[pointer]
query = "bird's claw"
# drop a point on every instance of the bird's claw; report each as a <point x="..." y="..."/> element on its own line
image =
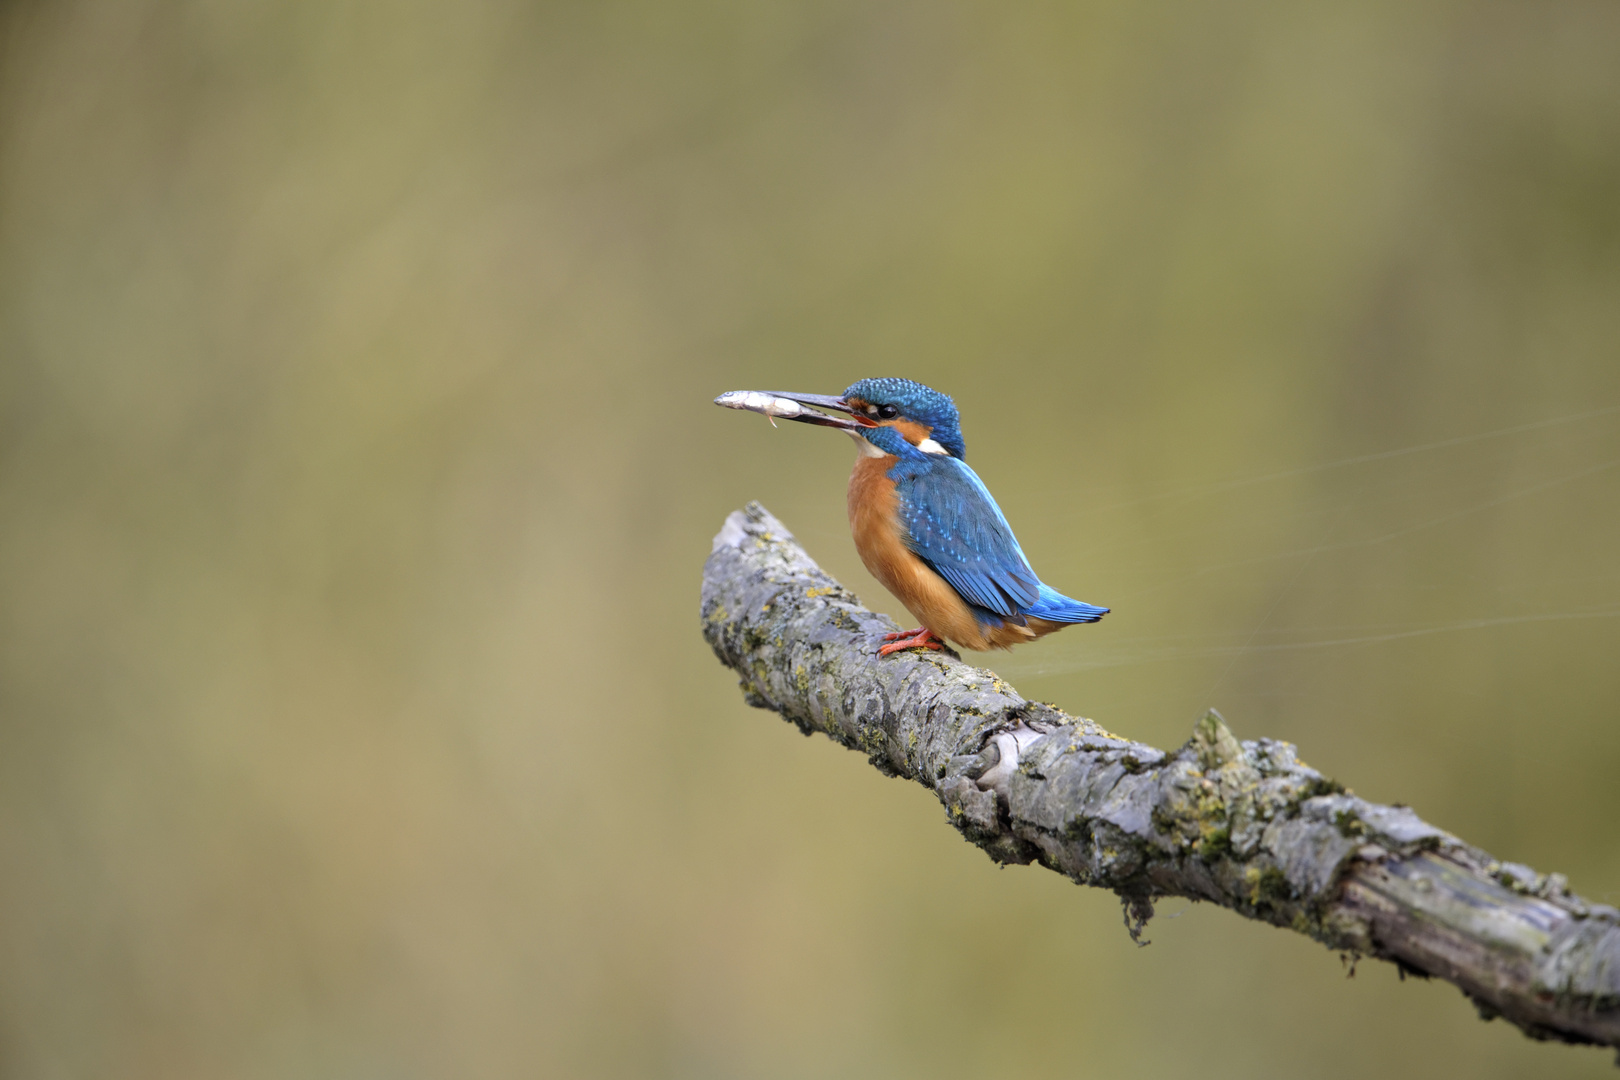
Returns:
<point x="920" y="638"/>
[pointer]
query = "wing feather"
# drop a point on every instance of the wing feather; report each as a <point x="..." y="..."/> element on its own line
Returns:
<point x="954" y="525"/>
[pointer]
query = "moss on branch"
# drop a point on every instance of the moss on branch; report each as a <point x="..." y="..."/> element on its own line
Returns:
<point x="1244" y="824"/>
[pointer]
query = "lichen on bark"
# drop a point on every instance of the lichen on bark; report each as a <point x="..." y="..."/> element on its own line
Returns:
<point x="1240" y="823"/>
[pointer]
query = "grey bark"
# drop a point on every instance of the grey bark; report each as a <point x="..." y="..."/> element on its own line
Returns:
<point x="1243" y="824"/>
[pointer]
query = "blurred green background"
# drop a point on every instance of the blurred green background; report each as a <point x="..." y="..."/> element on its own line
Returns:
<point x="357" y="467"/>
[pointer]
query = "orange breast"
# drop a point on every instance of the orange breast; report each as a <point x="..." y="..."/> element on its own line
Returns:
<point x="874" y="520"/>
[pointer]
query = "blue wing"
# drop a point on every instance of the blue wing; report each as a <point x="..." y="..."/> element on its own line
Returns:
<point x="954" y="525"/>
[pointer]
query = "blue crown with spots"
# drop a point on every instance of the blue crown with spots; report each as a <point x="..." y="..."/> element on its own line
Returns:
<point x="914" y="401"/>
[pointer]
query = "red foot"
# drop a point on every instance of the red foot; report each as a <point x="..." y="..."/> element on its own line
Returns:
<point x="920" y="638"/>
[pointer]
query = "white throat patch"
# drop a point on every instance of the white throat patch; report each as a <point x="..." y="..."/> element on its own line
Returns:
<point x="865" y="448"/>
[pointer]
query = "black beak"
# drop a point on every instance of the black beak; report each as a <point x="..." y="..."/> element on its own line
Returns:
<point x="792" y="407"/>
<point x="822" y="401"/>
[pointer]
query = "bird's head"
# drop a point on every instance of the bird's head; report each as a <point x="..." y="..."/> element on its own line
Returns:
<point x="894" y="416"/>
<point x="919" y="414"/>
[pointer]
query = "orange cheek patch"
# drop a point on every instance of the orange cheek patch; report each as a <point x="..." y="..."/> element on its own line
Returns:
<point x="913" y="431"/>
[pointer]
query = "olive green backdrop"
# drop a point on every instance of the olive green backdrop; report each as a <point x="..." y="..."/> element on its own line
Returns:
<point x="357" y="466"/>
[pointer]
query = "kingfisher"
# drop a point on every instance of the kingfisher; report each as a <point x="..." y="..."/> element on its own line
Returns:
<point x="924" y="523"/>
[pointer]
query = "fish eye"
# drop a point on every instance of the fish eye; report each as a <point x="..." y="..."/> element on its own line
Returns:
<point x="887" y="412"/>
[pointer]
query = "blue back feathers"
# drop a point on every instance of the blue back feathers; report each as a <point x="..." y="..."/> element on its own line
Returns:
<point x="954" y="525"/>
<point x="950" y="519"/>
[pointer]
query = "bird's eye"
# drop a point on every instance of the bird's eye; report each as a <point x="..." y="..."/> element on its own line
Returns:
<point x="887" y="412"/>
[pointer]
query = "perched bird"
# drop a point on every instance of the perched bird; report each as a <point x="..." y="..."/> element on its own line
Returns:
<point x="924" y="523"/>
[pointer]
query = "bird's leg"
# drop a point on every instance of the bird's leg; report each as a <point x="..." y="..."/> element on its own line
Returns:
<point x="920" y="638"/>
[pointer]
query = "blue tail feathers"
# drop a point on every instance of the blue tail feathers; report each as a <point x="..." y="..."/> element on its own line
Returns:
<point x="1053" y="606"/>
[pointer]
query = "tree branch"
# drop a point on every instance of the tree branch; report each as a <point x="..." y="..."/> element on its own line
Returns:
<point x="1241" y="824"/>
